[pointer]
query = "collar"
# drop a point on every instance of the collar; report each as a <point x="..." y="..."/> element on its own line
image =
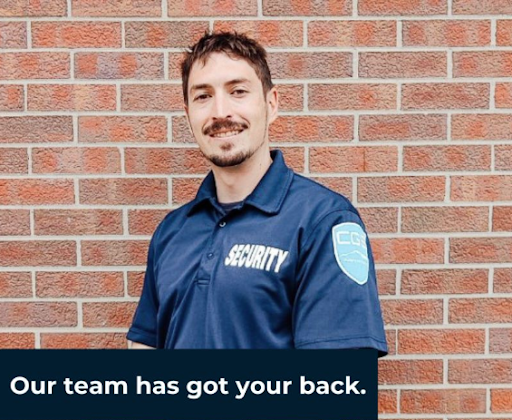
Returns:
<point x="268" y="196"/>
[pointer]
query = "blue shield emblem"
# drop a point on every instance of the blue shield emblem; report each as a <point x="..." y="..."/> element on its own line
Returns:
<point x="351" y="252"/>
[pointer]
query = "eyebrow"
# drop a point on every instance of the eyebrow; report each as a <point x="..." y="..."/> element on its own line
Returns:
<point x="230" y="83"/>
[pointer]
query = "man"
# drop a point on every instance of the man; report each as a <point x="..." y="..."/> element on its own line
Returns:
<point x="262" y="257"/>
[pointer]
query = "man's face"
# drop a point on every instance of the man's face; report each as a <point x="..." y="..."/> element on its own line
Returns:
<point x="227" y="111"/>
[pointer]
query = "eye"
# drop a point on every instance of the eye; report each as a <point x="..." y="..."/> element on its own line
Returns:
<point x="201" y="97"/>
<point x="239" y="92"/>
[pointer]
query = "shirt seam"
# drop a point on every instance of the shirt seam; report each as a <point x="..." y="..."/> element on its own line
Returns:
<point x="315" y="226"/>
<point x="325" y="340"/>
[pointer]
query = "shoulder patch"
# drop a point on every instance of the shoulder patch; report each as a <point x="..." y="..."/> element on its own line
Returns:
<point x="349" y="241"/>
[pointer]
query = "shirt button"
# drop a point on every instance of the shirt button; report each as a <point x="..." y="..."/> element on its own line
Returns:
<point x="222" y="224"/>
<point x="210" y="255"/>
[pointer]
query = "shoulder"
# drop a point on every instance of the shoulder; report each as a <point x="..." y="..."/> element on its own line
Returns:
<point x="172" y="221"/>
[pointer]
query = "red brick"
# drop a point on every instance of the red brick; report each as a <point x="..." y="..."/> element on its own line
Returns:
<point x="356" y="33"/>
<point x="175" y="60"/>
<point x="269" y="33"/>
<point x="14" y="222"/>
<point x="503" y="157"/>
<point x="13" y="161"/>
<point x="503" y="95"/>
<point x="294" y="158"/>
<point x="108" y="314"/>
<point x="119" y="65"/>
<point x="502" y="280"/>
<point x="312" y="128"/>
<point x="79" y="284"/>
<point x="122" y="252"/>
<point x="37" y="253"/>
<point x="36" y="129"/>
<point x="386" y="280"/>
<point x="501" y="400"/>
<point x="71" y="97"/>
<point x="122" y="129"/>
<point x="481" y="127"/>
<point x="401" y="189"/>
<point x="500" y="340"/>
<point x="15" y="284"/>
<point x="391" y="339"/>
<point x="76" y="34"/>
<point x="144" y="222"/>
<point x="445" y="95"/>
<point x="36" y="191"/>
<point x="358" y="96"/>
<point x="402" y="64"/>
<point x="163" y="34"/>
<point x="445" y="219"/>
<point x="76" y="160"/>
<point x="165" y="161"/>
<point x="392" y="372"/>
<point x="480" y="310"/>
<point x="481" y="371"/>
<point x="482" y="63"/>
<point x="408" y="250"/>
<point x="402" y="127"/>
<point x="353" y="159"/>
<point x="116" y="191"/>
<point x="480" y="250"/>
<point x="445" y="341"/>
<point x="115" y="8"/>
<point x="17" y="341"/>
<point x="83" y="341"/>
<point x="475" y="7"/>
<point x="504" y="33"/>
<point x="34" y="65"/>
<point x="402" y="7"/>
<point x="380" y="219"/>
<point x="307" y="8"/>
<point x="341" y="185"/>
<point x="447" y="158"/>
<point x="444" y="281"/>
<point x="181" y="132"/>
<point x="291" y="97"/>
<point x="409" y="311"/>
<point x="314" y="65"/>
<point x="38" y="314"/>
<point x="388" y="401"/>
<point x="441" y="401"/>
<point x="481" y="188"/>
<point x="13" y="34"/>
<point x="11" y="96"/>
<point x="33" y="8"/>
<point x="151" y="97"/>
<point x="502" y="219"/>
<point x="78" y="222"/>
<point x="135" y="282"/>
<point x="447" y="33"/>
<point x="184" y="8"/>
<point x="184" y="189"/>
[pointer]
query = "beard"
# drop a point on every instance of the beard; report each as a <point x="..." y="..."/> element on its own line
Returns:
<point x="228" y="159"/>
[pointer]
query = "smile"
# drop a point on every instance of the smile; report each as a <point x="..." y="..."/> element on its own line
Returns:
<point x="226" y="133"/>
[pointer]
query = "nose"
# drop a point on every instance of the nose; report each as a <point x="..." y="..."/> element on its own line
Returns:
<point x="221" y="107"/>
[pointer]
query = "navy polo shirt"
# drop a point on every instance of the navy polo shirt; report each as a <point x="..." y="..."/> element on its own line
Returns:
<point x="266" y="275"/>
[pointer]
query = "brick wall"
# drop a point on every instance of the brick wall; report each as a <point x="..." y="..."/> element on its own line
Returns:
<point x="403" y="106"/>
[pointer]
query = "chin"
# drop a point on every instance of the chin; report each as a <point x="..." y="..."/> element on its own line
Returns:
<point x="227" y="160"/>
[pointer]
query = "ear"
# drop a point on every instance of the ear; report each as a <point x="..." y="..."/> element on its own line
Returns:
<point x="273" y="104"/>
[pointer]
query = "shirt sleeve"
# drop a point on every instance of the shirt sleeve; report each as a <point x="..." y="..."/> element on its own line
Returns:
<point x="144" y="326"/>
<point x="337" y="303"/>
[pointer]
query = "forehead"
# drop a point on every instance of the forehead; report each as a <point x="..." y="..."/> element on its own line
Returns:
<point x="220" y="68"/>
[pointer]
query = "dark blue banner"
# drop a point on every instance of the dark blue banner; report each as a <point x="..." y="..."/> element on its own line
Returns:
<point x="188" y="384"/>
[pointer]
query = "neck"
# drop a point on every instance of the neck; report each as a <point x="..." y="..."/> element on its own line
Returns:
<point x="237" y="182"/>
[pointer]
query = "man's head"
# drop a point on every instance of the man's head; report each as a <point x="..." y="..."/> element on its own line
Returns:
<point x="229" y="97"/>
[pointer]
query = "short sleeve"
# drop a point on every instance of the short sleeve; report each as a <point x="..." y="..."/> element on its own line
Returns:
<point x="337" y="303"/>
<point x="144" y="326"/>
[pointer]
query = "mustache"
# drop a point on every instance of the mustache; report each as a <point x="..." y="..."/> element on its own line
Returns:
<point x="227" y="125"/>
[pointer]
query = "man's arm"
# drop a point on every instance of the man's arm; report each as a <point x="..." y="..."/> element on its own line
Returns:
<point x="138" y="346"/>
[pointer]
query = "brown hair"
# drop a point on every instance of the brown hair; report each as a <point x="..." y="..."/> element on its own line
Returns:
<point x="232" y="44"/>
